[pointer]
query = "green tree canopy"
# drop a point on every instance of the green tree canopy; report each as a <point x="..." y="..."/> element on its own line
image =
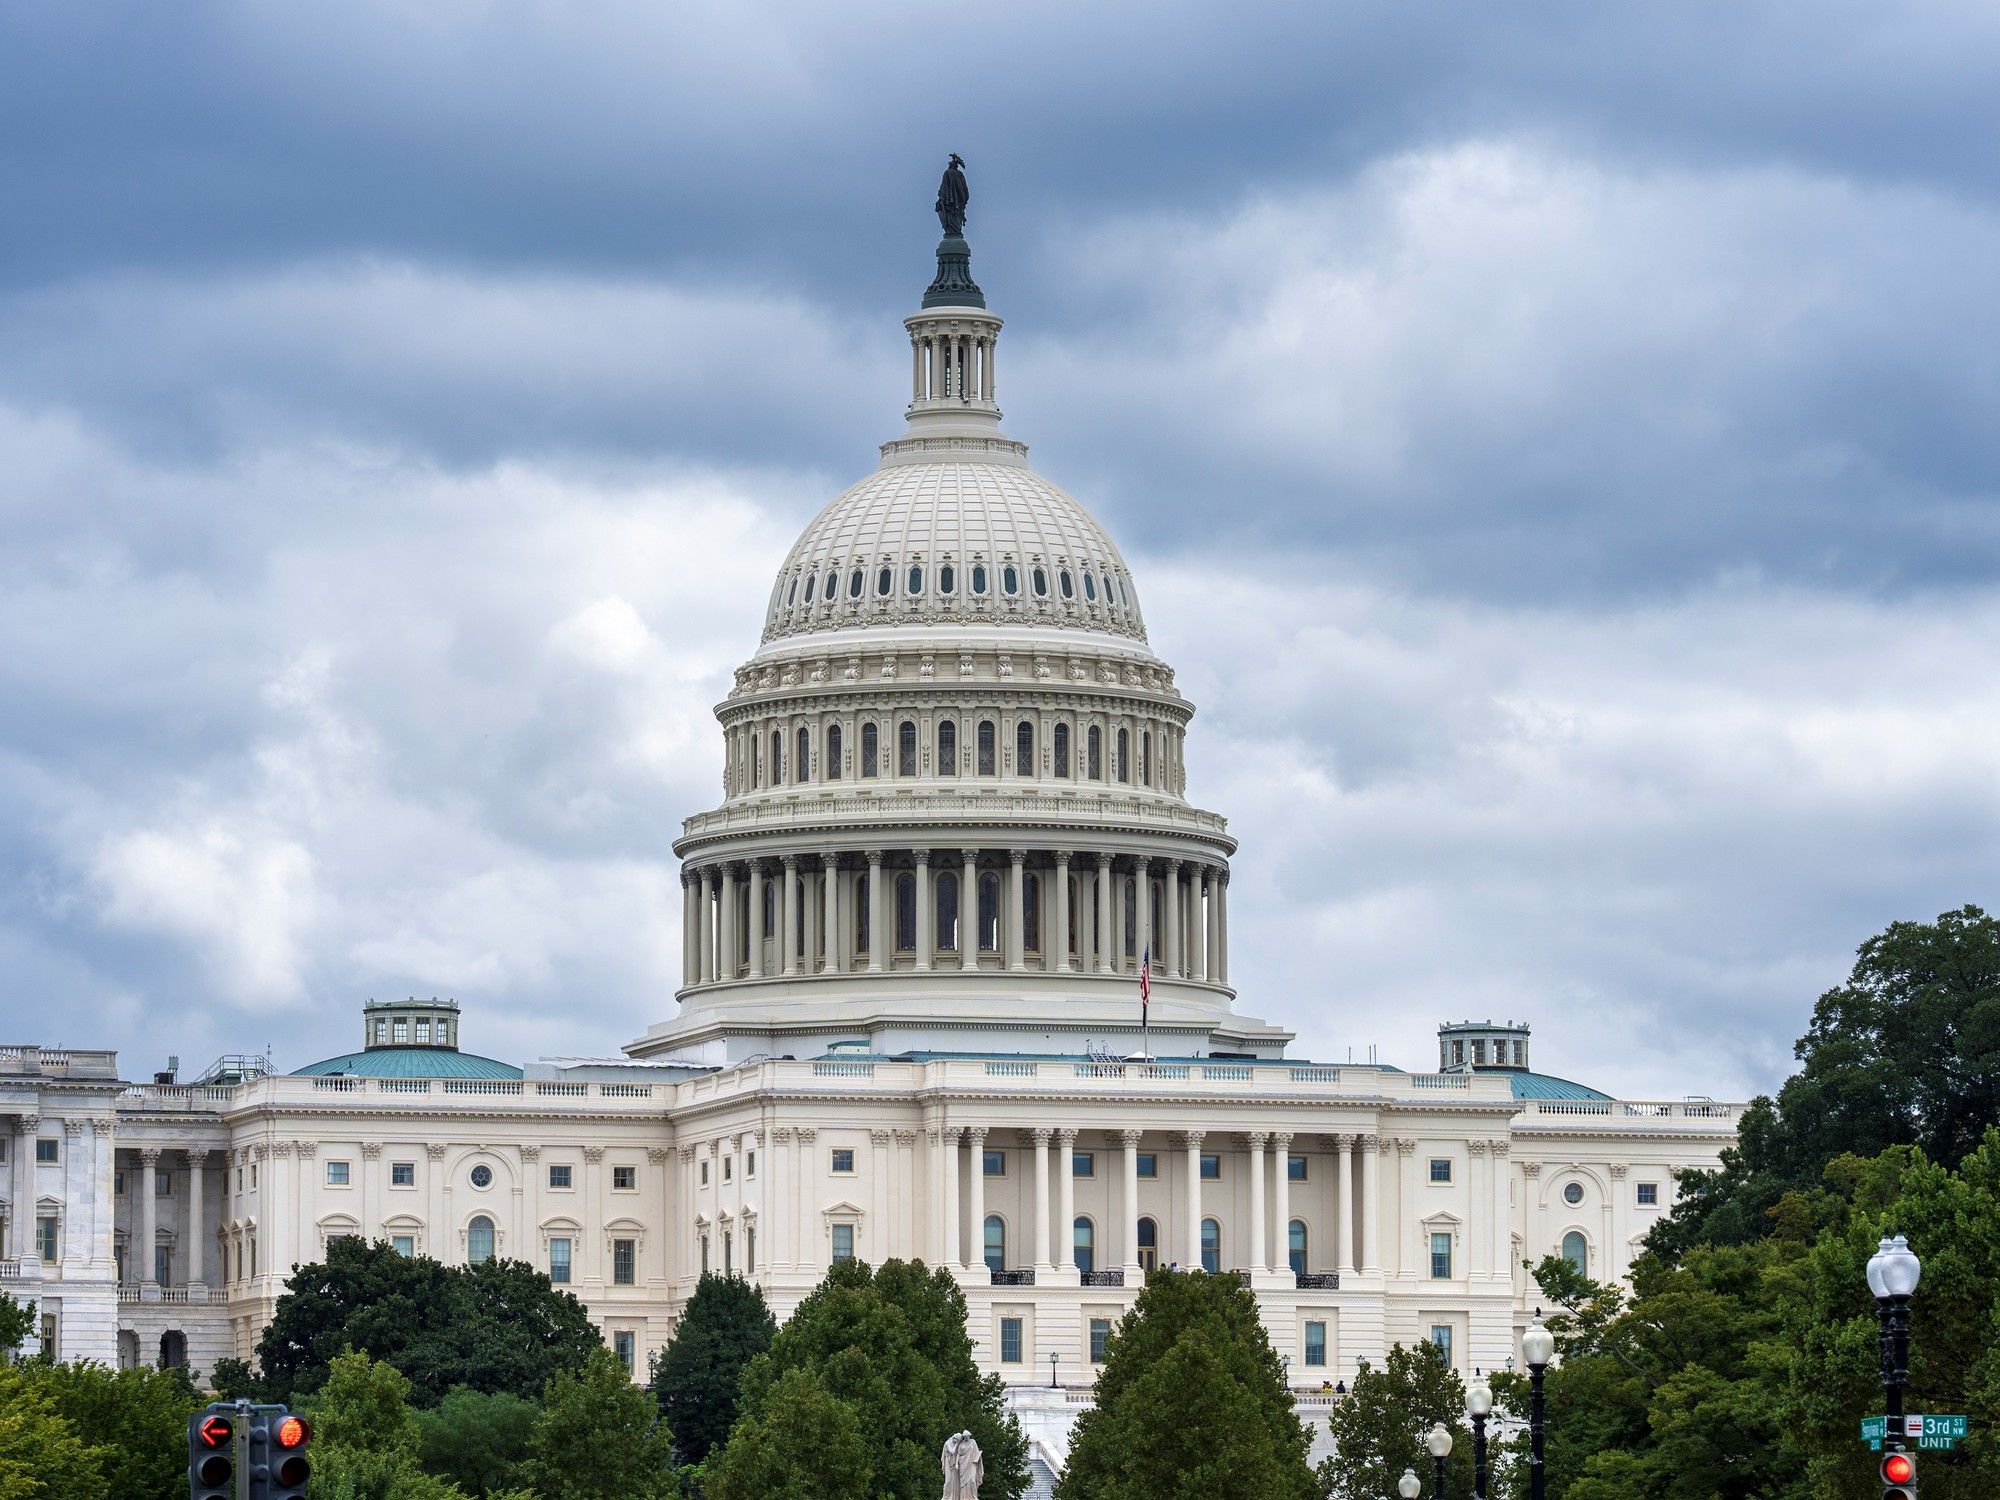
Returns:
<point x="725" y="1326"/>
<point x="139" y="1418"/>
<point x="17" y="1321"/>
<point x="600" y="1437"/>
<point x="42" y="1456"/>
<point x="1379" y="1430"/>
<point x="478" y="1439"/>
<point x="802" y="1444"/>
<point x="1192" y="1402"/>
<point x="365" y="1436"/>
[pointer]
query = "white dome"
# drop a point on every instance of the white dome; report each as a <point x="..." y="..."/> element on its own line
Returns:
<point x="926" y="543"/>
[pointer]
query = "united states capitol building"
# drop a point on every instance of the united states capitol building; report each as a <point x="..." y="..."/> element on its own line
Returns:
<point x="955" y="821"/>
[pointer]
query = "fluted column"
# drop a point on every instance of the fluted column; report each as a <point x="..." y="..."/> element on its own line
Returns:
<point x="149" y="1232"/>
<point x="1170" y="915"/>
<point x="788" y="915"/>
<point x="1130" y="1140"/>
<point x="1221" y="958"/>
<point x="975" y="1165"/>
<point x="1503" y="1218"/>
<point x="1142" y="893"/>
<point x="1344" y="1197"/>
<point x="926" y="910"/>
<point x="1197" y="924"/>
<point x="1105" y="936"/>
<point x="1042" y="1257"/>
<point x="197" y="1232"/>
<point x="1191" y="1139"/>
<point x="1213" y="956"/>
<point x="1017" y="884"/>
<point x="829" y="924"/>
<point x="1065" y="1256"/>
<point x="21" y="1226"/>
<point x="877" y="962"/>
<point x="1371" y="1198"/>
<point x="1061" y="934"/>
<point x="1281" y="1145"/>
<point x="1257" y="1260"/>
<point x="690" y="932"/>
<point x="726" y="922"/>
<point x="756" y="919"/>
<point x="968" y="909"/>
<point x="951" y="1246"/>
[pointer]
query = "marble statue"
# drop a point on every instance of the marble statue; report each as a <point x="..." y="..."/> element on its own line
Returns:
<point x="964" y="1469"/>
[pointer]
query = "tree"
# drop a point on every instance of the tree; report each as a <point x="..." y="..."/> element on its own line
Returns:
<point x="17" y="1322"/>
<point x="366" y="1436"/>
<point x="726" y="1325"/>
<point x="1379" y="1430"/>
<point x="477" y="1439"/>
<point x="499" y="1326"/>
<point x="1192" y="1402"/>
<point x="891" y="1344"/>
<point x="42" y="1457"/>
<point x="232" y="1378"/>
<point x="803" y="1444"/>
<point x="138" y="1418"/>
<point x="599" y="1437"/>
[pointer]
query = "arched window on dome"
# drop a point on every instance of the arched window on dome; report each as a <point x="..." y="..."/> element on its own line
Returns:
<point x="777" y="757"/>
<point x="989" y="913"/>
<point x="854" y="584"/>
<point x="1041" y="581"/>
<point x="1083" y="1240"/>
<point x="1131" y="890"/>
<point x="979" y="578"/>
<point x="811" y="580"/>
<point x="1124" y="756"/>
<point x="906" y="912"/>
<point x="868" y="750"/>
<point x="1094" y="743"/>
<point x="802" y="761"/>
<point x="1576" y="1250"/>
<point x="1146" y="757"/>
<point x="885" y="580"/>
<point x="1024" y="748"/>
<point x="986" y="748"/>
<point x="1031" y="912"/>
<point x="756" y="760"/>
<point x="1089" y="587"/>
<point x="832" y="585"/>
<point x="1211" y="1246"/>
<point x="1296" y="1246"/>
<point x="947" y="578"/>
<point x="1066" y="583"/>
<point x="479" y="1240"/>
<point x="792" y="594"/>
<point x="770" y="923"/>
<point x="1075" y="934"/>
<point x="862" y="925"/>
<point x="947" y="911"/>
<point x="1010" y="580"/>
<point x="947" y="748"/>
<point x="915" y="581"/>
<point x="906" y="748"/>
<point x="1059" y="748"/>
<point x="1123" y="597"/>
<point x="833" y="739"/>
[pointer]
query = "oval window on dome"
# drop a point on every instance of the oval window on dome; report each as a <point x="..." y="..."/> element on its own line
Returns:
<point x="884" y="581"/>
<point x="946" y="578"/>
<point x="854" y="585"/>
<point x="1123" y="597"/>
<point x="1066" y="583"/>
<point x="916" y="578"/>
<point x="1010" y="580"/>
<point x="811" y="579"/>
<point x="832" y="585"/>
<point x="979" y="578"/>
<point x="1041" y="583"/>
<point x="792" y="597"/>
<point x="1089" y="586"/>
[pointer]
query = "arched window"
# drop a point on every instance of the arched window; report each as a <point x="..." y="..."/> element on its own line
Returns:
<point x="832" y="585"/>
<point x="792" y="594"/>
<point x="1010" y="580"/>
<point x="756" y="760"/>
<point x="854" y="584"/>
<point x="1124" y="756"/>
<point x="1146" y="758"/>
<point x="1083" y="1237"/>
<point x="1031" y="912"/>
<point x="479" y="1241"/>
<point x="1067" y="583"/>
<point x="989" y="913"/>
<point x="947" y="911"/>
<point x="1211" y="1246"/>
<point x="1094" y="743"/>
<point x="1041" y="582"/>
<point x="915" y="581"/>
<point x="777" y="758"/>
<point x="868" y="750"/>
<point x="1024" y="749"/>
<point x="906" y="912"/>
<point x="885" y="580"/>
<point x="173" y="1350"/>
<point x="812" y="581"/>
<point x="1149" y="1244"/>
<point x="802" y="762"/>
<point x="906" y="749"/>
<point x="833" y="739"/>
<point x="1297" y="1247"/>
<point x="996" y="1243"/>
<point x="985" y="747"/>
<point x="861" y="922"/>
<point x="1576" y="1250"/>
<point x="979" y="578"/>
<point x="1089" y="586"/>
<point x="1059" y="744"/>
<point x="947" y="579"/>
<point x="770" y="908"/>
<point x="947" y="749"/>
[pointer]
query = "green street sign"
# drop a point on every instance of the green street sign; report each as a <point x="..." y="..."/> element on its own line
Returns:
<point x="1943" y="1427"/>
<point x="1926" y="1431"/>
<point x="1873" y="1428"/>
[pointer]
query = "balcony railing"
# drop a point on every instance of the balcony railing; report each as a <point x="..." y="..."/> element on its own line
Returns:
<point x="1673" y="1114"/>
<point x="1014" y="1278"/>
<point x="1316" y="1281"/>
<point x="1114" y="1277"/>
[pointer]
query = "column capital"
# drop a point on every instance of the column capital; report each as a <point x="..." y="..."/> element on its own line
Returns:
<point x="149" y="1156"/>
<point x="27" y="1124"/>
<point x="371" y="1150"/>
<point x="1531" y="1169"/>
<point x="530" y="1153"/>
<point x="1258" y="1139"/>
<point x="1618" y="1171"/>
<point x="879" y="1137"/>
<point x="1281" y="1139"/>
<point x="905" y="1137"/>
<point x="1142" y="864"/>
<point x="1501" y="1148"/>
<point x="808" y="1133"/>
<point x="1017" y="856"/>
<point x="975" y="1136"/>
<point x="874" y="858"/>
<point x="789" y="861"/>
<point x="1477" y="1148"/>
<point x="1061" y="857"/>
<point x="1066" y="1135"/>
<point x="1192" y="1139"/>
<point x="1404" y="1146"/>
<point x="1041" y="1135"/>
<point x="593" y="1154"/>
<point x="657" y="1155"/>
<point x="1222" y="874"/>
<point x="686" y="1152"/>
<point x="687" y="877"/>
<point x="1104" y="862"/>
<point x="1343" y="1141"/>
<point x="1172" y="864"/>
<point x="74" y="1128"/>
<point x="921" y="856"/>
<point x="781" y="1135"/>
<point x="1130" y="1138"/>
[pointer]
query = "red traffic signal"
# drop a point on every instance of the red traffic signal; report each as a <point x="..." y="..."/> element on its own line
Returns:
<point x="1899" y="1468"/>
<point x="292" y="1432"/>
<point x="215" y="1432"/>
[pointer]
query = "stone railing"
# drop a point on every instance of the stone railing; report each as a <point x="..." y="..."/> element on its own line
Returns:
<point x="980" y="799"/>
<point x="57" y="1062"/>
<point x="10" y="1270"/>
<point x="341" y="1089"/>
<point x="1625" y="1114"/>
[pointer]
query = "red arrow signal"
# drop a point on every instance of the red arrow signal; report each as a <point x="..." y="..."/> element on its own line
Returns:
<point x="215" y="1431"/>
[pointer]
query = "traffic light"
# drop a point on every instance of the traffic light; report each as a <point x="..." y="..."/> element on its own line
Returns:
<point x="279" y="1467"/>
<point x="212" y="1454"/>
<point x="1899" y="1477"/>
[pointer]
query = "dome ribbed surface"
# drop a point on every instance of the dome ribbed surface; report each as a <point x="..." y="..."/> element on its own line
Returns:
<point x="409" y="1062"/>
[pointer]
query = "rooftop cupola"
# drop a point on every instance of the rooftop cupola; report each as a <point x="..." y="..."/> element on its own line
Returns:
<point x="1480" y="1045"/>
<point x="409" y="1023"/>
<point x="952" y="338"/>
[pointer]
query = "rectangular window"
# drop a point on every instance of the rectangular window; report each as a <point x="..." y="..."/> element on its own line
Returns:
<point x="402" y="1174"/>
<point x="1440" y="1169"/>
<point x="1010" y="1341"/>
<point x="1295" y="1168"/>
<point x="1649" y="1195"/>
<point x="1315" y="1343"/>
<point x="117" y="1180"/>
<point x="728" y="1168"/>
<point x="45" y="1238"/>
<point x="704" y="1174"/>
<point x="163" y="1184"/>
<point x="728" y="1253"/>
<point x="253" y="1177"/>
<point x="402" y="1031"/>
<point x="625" y="1179"/>
<point x="749" y="1163"/>
<point x="704" y="1255"/>
<point x="624" y="1258"/>
<point x="45" y="1152"/>
<point x="843" y="1242"/>
<point x="1211" y="1168"/>
<point x="1440" y="1257"/>
<point x="163" y="1264"/>
<point x="1100" y="1337"/>
<point x="1083" y="1164"/>
<point x="625" y="1344"/>
<point x="336" y="1174"/>
<point x="49" y="1350"/>
<point x="1149" y="1164"/>
<point x="404" y="1244"/>
<point x="423" y="1033"/>
<point x="1441" y="1341"/>
<point x="995" y="1163"/>
<point x="559" y="1175"/>
<point x="843" y="1160"/>
<point x="559" y="1260"/>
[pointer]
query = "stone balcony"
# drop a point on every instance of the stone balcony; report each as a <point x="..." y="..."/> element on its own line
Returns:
<point x="336" y="1091"/>
<point x="30" y="1061"/>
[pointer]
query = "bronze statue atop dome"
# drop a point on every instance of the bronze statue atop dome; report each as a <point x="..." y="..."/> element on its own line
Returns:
<point x="952" y="197"/>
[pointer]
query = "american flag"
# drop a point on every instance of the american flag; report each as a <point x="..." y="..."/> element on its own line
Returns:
<point x="1146" y="978"/>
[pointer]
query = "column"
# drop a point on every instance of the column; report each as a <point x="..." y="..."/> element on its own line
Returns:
<point x="711" y="918"/>
<point x="1065" y="1256"/>
<point x="197" y="1230"/>
<point x="1017" y="860"/>
<point x="829" y="881"/>
<point x="1197" y="925"/>
<point x="926" y="910"/>
<point x="23" y="1222"/>
<point x="725" y="922"/>
<point x="807" y="1173"/>
<point x="1220" y="948"/>
<point x="1142" y="892"/>
<point x="1130" y="1140"/>
<point x="1106" y="937"/>
<point x="951" y="1247"/>
<point x="976" y="1165"/>
<point x="1214" y="955"/>
<point x="1170" y="916"/>
<point x="690" y="966"/>
<point x="1257" y="1260"/>
<point x="1061" y="934"/>
<point x="1281" y="1145"/>
<point x="968" y="909"/>
<point x="149" y="1161"/>
<point x="1344" y="1225"/>
<point x="1191" y="1139"/>
<point x="1408" y="1256"/>
<point x="1041" y="1217"/>
<point x="1503" y="1218"/>
<point x="756" y="919"/>
<point x="812" y="942"/>
<point x="876" y="942"/>
<point x="788" y="943"/>
<point x="1478" y="1203"/>
<point x="1371" y="1200"/>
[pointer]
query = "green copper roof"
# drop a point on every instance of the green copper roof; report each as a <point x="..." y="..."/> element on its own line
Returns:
<point x="1542" y="1086"/>
<point x="410" y="1062"/>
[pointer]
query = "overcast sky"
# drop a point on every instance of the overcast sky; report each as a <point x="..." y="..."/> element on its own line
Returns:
<point x="1556" y="442"/>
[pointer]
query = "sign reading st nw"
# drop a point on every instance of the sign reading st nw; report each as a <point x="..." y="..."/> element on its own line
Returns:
<point x="1930" y="1431"/>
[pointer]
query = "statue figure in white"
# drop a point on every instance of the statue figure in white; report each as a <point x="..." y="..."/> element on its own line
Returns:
<point x="964" y="1469"/>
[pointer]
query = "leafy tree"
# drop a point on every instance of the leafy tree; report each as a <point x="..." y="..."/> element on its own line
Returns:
<point x="1192" y="1402"/>
<point x="804" y="1444"/>
<point x="1379" y="1430"/>
<point x="477" y="1439"/>
<point x="726" y="1325"/>
<point x="138" y="1416"/>
<point x="500" y="1326"/>
<point x="232" y="1378"/>
<point x="17" y="1321"/>
<point x="1906" y="1053"/>
<point x="891" y="1344"/>
<point x="366" y="1436"/>
<point x="599" y="1437"/>
<point x="42" y="1457"/>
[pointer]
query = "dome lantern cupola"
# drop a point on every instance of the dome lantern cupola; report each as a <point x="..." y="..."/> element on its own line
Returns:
<point x="952" y="338"/>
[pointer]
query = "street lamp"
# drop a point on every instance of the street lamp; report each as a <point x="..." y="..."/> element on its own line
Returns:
<point x="1538" y="1347"/>
<point x="1478" y="1405"/>
<point x="1409" y="1486"/>
<point x="1052" y="1370"/>
<point x="1439" y="1442"/>
<point x="1893" y="1273"/>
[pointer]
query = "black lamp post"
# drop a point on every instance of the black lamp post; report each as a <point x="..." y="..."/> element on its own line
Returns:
<point x="1439" y="1442"/>
<point x="1893" y="1273"/>
<point x="1538" y="1347"/>
<point x="1052" y="1370"/>
<point x="1478" y="1405"/>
